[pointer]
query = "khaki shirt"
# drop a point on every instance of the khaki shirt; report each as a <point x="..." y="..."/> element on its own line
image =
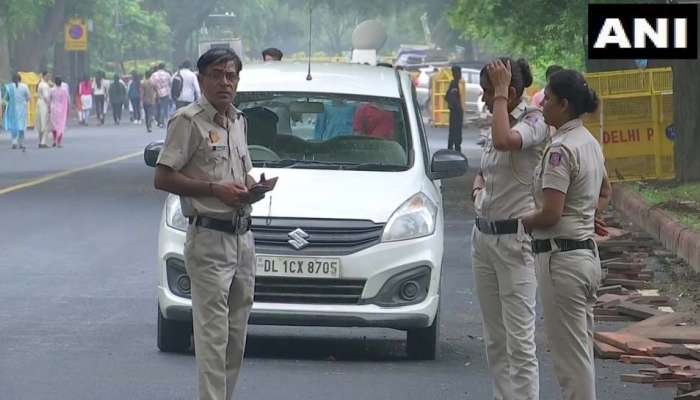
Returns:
<point x="201" y="148"/>
<point x="574" y="165"/>
<point x="508" y="175"/>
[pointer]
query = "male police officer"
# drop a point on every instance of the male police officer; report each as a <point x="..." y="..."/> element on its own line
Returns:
<point x="205" y="160"/>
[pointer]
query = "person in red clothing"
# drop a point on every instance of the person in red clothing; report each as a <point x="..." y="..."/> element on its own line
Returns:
<point x="371" y="120"/>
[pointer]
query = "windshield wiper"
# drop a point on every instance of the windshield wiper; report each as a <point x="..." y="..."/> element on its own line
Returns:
<point x="291" y="163"/>
<point x="376" y="167"/>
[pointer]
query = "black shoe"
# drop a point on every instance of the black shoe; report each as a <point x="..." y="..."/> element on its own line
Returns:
<point x="14" y="147"/>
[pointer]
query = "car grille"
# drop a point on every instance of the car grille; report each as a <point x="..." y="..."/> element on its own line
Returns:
<point x="325" y="237"/>
<point x="308" y="291"/>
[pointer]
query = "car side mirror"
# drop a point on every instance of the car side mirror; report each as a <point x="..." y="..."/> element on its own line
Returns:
<point x="448" y="164"/>
<point x="151" y="153"/>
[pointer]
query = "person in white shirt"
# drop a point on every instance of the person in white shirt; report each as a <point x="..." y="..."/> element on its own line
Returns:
<point x="189" y="92"/>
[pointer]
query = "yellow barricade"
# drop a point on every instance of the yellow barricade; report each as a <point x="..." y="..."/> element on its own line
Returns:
<point x="438" y="105"/>
<point x="634" y="122"/>
<point x="31" y="79"/>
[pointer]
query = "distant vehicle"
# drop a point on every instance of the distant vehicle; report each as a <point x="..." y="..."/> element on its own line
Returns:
<point x="473" y="102"/>
<point x="336" y="248"/>
<point x="414" y="58"/>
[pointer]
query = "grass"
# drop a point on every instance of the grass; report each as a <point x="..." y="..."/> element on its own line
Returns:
<point x="683" y="201"/>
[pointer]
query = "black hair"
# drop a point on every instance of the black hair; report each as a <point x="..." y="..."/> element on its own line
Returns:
<point x="570" y="85"/>
<point x="521" y="76"/>
<point x="148" y="74"/>
<point x="44" y="72"/>
<point x="57" y="80"/>
<point x="98" y="79"/>
<point x="16" y="78"/>
<point x="218" y="55"/>
<point x="116" y="77"/>
<point x="456" y="71"/>
<point x="551" y="70"/>
<point x="273" y="52"/>
<point x="187" y="64"/>
<point x="161" y="66"/>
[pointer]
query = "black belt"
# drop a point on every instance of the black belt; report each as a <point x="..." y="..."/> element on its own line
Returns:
<point x="239" y="225"/>
<point x="504" y="227"/>
<point x="545" y="245"/>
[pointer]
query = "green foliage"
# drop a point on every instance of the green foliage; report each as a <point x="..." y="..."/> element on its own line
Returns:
<point x="22" y="15"/>
<point x="136" y="34"/>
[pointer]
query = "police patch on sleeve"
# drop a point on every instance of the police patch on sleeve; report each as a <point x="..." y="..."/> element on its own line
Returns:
<point x="555" y="158"/>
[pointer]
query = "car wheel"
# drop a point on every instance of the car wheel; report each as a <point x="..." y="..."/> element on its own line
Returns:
<point x="173" y="336"/>
<point x="422" y="343"/>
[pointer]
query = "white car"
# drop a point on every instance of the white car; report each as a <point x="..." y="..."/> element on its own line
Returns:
<point x="352" y="235"/>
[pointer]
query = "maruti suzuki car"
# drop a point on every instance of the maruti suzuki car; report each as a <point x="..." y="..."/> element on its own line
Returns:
<point x="352" y="234"/>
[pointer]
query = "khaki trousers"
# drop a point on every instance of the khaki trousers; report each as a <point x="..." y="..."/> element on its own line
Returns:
<point x="221" y="269"/>
<point x="504" y="276"/>
<point x="568" y="282"/>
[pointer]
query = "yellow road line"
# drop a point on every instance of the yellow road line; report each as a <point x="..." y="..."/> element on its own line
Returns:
<point x="57" y="175"/>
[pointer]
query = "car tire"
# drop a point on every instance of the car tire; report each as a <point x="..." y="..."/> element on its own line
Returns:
<point x="422" y="343"/>
<point x="173" y="336"/>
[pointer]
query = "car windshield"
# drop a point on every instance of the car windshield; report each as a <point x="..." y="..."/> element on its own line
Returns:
<point x="326" y="131"/>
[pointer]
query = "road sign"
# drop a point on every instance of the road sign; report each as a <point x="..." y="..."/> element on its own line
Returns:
<point x="76" y="35"/>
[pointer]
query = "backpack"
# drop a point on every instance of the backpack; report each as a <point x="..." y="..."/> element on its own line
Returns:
<point x="176" y="88"/>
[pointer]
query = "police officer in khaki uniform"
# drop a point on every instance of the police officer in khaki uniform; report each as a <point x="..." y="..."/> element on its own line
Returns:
<point x="205" y="160"/>
<point x="502" y="260"/>
<point x="570" y="188"/>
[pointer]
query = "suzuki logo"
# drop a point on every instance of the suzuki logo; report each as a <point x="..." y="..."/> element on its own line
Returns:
<point x="298" y="239"/>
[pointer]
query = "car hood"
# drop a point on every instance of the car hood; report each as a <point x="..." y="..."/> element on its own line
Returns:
<point x="333" y="194"/>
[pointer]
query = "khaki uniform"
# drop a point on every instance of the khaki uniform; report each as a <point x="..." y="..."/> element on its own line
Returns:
<point x="42" y="108"/>
<point x="504" y="269"/>
<point x="220" y="265"/>
<point x="573" y="164"/>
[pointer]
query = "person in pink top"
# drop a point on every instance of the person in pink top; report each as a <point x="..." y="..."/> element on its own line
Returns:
<point x="538" y="98"/>
<point x="58" y="111"/>
<point x="371" y="120"/>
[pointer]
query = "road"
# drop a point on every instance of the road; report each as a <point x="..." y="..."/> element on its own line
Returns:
<point x="78" y="297"/>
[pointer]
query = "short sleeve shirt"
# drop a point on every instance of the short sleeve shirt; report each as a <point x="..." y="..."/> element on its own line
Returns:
<point x="574" y="165"/>
<point x="205" y="145"/>
<point x="508" y="174"/>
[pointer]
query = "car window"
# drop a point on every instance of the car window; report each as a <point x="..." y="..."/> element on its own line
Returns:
<point x="325" y="131"/>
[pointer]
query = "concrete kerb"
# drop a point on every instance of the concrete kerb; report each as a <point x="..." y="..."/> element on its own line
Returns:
<point x="682" y="241"/>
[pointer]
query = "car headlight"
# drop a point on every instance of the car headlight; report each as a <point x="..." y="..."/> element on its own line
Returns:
<point x="415" y="218"/>
<point x="173" y="214"/>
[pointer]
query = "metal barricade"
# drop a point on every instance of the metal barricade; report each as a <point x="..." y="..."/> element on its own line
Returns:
<point x="634" y="122"/>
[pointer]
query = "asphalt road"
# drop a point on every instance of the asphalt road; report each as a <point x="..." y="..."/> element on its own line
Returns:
<point x="78" y="297"/>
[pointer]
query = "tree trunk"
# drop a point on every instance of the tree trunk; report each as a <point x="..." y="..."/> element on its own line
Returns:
<point x="5" y="69"/>
<point x="686" y="120"/>
<point x="184" y="17"/>
<point x="31" y="46"/>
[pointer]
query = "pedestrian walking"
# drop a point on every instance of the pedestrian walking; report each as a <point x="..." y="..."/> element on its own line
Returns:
<point x="117" y="98"/>
<point x="185" y="86"/>
<point x="15" y="118"/>
<point x="456" y="106"/>
<point x="58" y="111"/>
<point x="161" y="80"/>
<point x="134" y="93"/>
<point x="99" y="92"/>
<point x="149" y="97"/>
<point x="502" y="259"/>
<point x="219" y="249"/>
<point x="85" y="96"/>
<point x="571" y="188"/>
<point x="42" y="109"/>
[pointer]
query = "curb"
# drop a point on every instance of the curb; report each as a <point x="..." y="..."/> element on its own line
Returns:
<point x="681" y="240"/>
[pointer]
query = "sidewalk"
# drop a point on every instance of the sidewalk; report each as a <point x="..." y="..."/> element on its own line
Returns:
<point x="681" y="240"/>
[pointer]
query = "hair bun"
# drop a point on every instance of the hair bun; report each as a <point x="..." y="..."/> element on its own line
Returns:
<point x="526" y="72"/>
<point x="591" y="100"/>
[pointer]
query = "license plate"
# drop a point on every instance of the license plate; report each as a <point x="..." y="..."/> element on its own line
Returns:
<point x="297" y="267"/>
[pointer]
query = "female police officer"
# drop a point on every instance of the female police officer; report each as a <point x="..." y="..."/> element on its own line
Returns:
<point x="570" y="186"/>
<point x="504" y="269"/>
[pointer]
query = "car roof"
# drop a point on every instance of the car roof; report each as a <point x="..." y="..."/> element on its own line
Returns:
<point x="328" y="78"/>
